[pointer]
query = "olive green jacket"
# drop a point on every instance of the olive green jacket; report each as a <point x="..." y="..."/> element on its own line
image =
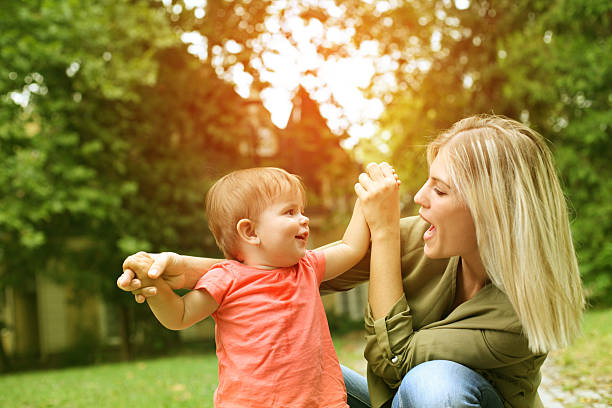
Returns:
<point x="482" y="333"/>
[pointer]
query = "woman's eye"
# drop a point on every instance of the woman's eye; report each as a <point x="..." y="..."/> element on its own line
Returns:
<point x="439" y="192"/>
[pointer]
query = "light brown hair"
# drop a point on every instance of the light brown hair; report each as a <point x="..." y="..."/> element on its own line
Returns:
<point x="245" y="194"/>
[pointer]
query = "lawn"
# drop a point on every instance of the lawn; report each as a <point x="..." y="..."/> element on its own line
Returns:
<point x="189" y="381"/>
<point x="588" y="363"/>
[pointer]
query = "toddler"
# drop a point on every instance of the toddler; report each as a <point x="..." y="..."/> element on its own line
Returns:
<point x="273" y="342"/>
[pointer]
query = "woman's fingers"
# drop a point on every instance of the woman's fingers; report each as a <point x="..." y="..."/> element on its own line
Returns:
<point x="386" y="169"/>
<point x="145" y="292"/>
<point x="374" y="171"/>
<point x="159" y="265"/>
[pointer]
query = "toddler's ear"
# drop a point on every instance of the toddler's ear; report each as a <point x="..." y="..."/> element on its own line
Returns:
<point x="246" y="231"/>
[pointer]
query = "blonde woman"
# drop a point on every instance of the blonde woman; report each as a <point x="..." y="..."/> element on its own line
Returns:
<point x="485" y="281"/>
<point x="465" y="300"/>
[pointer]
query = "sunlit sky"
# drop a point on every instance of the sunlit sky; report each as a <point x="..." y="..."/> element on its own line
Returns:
<point x="286" y="66"/>
<point x="338" y="82"/>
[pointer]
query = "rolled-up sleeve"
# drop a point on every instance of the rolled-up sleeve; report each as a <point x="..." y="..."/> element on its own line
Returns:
<point x="393" y="347"/>
<point x="387" y="342"/>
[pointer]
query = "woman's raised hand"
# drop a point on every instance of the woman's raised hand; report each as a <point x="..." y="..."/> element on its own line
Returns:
<point x="162" y="266"/>
<point x="378" y="192"/>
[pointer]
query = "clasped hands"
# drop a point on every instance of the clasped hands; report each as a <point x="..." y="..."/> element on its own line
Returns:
<point x="378" y="193"/>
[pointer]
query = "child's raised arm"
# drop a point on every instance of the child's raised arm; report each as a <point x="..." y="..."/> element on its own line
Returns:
<point x="345" y="254"/>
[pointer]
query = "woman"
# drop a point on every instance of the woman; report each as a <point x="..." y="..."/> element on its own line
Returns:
<point x="465" y="300"/>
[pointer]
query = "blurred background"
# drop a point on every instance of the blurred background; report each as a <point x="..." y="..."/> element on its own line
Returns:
<point x="116" y="116"/>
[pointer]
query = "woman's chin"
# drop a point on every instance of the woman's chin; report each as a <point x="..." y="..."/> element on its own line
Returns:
<point x="430" y="252"/>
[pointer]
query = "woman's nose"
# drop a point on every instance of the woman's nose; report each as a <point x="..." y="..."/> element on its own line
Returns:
<point x="419" y="197"/>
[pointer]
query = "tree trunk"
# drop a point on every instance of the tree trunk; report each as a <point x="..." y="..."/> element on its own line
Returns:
<point x="5" y="362"/>
<point x="124" y="332"/>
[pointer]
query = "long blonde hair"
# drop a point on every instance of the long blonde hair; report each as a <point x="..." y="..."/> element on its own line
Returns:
<point x="505" y="174"/>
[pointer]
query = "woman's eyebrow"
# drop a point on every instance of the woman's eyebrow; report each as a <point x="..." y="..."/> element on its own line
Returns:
<point x="437" y="180"/>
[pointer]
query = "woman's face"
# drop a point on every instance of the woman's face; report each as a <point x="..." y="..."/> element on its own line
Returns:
<point x="452" y="230"/>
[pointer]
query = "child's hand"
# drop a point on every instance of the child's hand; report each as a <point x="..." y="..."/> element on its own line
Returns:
<point x="378" y="192"/>
<point x="140" y="264"/>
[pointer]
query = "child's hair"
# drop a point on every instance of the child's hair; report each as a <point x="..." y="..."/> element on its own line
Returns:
<point x="245" y="194"/>
<point x="505" y="174"/>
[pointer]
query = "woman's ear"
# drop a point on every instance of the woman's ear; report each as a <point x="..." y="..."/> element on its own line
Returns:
<point x="246" y="231"/>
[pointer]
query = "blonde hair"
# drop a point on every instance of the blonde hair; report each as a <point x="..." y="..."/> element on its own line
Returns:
<point x="505" y="174"/>
<point x="245" y="194"/>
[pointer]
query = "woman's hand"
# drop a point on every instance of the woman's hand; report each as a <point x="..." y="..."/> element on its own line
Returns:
<point x="378" y="192"/>
<point x="136" y="265"/>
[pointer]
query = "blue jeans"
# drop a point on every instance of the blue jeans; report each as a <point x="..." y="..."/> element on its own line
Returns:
<point x="438" y="383"/>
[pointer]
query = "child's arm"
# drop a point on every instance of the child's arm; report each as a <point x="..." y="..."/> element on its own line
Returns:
<point x="343" y="256"/>
<point x="173" y="311"/>
<point x="179" y="271"/>
<point x="178" y="313"/>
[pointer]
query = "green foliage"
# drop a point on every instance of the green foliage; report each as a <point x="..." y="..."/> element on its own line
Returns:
<point x="545" y="63"/>
<point x="111" y="132"/>
<point x="65" y="80"/>
<point x="560" y="72"/>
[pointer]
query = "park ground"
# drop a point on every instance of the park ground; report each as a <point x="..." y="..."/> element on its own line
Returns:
<point x="580" y="376"/>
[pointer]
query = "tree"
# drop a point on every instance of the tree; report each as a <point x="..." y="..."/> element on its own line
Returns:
<point x="559" y="71"/>
<point x="113" y="124"/>
<point x="544" y="63"/>
<point x="106" y="144"/>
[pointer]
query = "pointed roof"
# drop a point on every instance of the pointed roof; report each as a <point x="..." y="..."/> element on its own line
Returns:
<point x="305" y="109"/>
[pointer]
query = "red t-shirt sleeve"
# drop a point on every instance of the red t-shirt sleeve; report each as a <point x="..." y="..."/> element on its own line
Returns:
<point x="217" y="281"/>
<point x="316" y="260"/>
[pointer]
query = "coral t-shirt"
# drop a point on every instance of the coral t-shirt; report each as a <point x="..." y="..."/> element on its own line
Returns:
<point x="273" y="342"/>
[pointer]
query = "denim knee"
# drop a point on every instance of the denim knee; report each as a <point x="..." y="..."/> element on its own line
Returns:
<point x="442" y="383"/>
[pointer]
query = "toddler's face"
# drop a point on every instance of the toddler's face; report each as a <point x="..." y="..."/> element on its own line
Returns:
<point x="283" y="231"/>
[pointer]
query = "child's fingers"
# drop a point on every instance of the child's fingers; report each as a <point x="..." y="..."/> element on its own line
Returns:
<point x="127" y="281"/>
<point x="365" y="181"/>
<point x="360" y="190"/>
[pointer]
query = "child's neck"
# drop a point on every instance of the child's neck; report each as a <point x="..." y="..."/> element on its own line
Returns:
<point x="259" y="260"/>
<point x="254" y="260"/>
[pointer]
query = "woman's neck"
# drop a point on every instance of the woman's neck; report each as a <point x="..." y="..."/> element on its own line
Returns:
<point x="471" y="277"/>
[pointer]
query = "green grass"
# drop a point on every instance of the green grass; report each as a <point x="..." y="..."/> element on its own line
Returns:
<point x="190" y="381"/>
<point x="187" y="381"/>
<point x="587" y="364"/>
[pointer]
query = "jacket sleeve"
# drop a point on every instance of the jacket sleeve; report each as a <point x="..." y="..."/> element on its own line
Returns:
<point x="411" y="230"/>
<point x="393" y="347"/>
